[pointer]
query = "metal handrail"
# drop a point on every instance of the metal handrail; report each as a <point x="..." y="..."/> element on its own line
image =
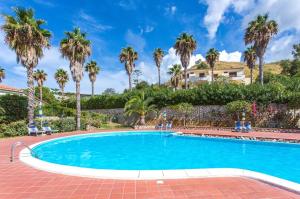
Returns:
<point x="14" y="145"/>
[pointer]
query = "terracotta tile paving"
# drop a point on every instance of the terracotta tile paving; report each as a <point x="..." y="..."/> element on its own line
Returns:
<point x="21" y="181"/>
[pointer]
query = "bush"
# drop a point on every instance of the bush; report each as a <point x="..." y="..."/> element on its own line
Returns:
<point x="236" y="108"/>
<point x="63" y="124"/>
<point x="14" y="106"/>
<point x="14" y="129"/>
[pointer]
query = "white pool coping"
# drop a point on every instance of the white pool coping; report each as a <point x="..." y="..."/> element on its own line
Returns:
<point x="26" y="157"/>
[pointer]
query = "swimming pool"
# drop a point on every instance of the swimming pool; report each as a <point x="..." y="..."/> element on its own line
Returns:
<point x="168" y="151"/>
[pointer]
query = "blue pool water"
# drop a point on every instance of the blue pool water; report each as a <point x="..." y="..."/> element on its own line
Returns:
<point x="156" y="151"/>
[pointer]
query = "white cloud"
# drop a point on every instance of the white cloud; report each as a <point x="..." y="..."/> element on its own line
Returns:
<point x="170" y="10"/>
<point x="230" y="57"/>
<point x="135" y="40"/>
<point x="128" y="4"/>
<point x="281" y="48"/>
<point x="214" y="15"/>
<point x="44" y="2"/>
<point x="89" y="23"/>
<point x="146" y="29"/>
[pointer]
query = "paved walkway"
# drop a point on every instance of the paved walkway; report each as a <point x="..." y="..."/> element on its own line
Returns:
<point x="21" y="181"/>
<point x="293" y="137"/>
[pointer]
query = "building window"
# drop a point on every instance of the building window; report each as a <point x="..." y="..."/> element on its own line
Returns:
<point x="187" y="75"/>
<point x="201" y="74"/>
<point x="233" y="74"/>
<point x="215" y="75"/>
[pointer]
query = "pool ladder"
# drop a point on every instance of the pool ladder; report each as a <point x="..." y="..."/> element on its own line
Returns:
<point x="13" y="147"/>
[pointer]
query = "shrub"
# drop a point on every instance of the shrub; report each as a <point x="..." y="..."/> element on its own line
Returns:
<point x="14" y="106"/>
<point x="14" y="129"/>
<point x="235" y="108"/>
<point x="63" y="124"/>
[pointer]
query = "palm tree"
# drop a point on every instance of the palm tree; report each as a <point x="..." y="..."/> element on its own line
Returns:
<point x="76" y="48"/>
<point x="93" y="69"/>
<point x="184" y="46"/>
<point x="2" y="74"/>
<point x="24" y="35"/>
<point x="128" y="56"/>
<point x="250" y="59"/>
<point x="40" y="76"/>
<point x="62" y="78"/>
<point x="212" y="56"/>
<point x="158" y="56"/>
<point x="259" y="32"/>
<point x="175" y="72"/>
<point x="139" y="105"/>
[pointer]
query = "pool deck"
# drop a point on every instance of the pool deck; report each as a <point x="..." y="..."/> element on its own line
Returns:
<point x="18" y="180"/>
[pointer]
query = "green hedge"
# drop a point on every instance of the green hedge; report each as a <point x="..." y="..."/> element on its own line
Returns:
<point x="14" y="106"/>
<point x="205" y="94"/>
<point x="13" y="129"/>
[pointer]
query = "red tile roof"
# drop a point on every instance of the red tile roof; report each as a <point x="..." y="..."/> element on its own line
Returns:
<point x="9" y="88"/>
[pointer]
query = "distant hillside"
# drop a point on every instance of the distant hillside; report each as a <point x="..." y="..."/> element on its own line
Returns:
<point x="221" y="65"/>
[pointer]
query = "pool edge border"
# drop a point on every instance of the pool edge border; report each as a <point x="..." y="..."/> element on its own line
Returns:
<point x="26" y="157"/>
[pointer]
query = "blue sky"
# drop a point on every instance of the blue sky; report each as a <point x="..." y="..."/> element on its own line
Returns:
<point x="146" y="25"/>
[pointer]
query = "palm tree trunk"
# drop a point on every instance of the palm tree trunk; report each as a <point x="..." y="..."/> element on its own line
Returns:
<point x="251" y="75"/>
<point x="185" y="77"/>
<point x="62" y="94"/>
<point x="30" y="95"/>
<point x="261" y="71"/>
<point x="129" y="81"/>
<point x="212" y="74"/>
<point x="92" y="89"/>
<point x="158" y="75"/>
<point x="78" y="109"/>
<point x="41" y="94"/>
<point x="142" y="120"/>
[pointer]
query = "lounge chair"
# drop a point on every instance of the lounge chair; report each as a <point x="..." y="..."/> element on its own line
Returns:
<point x="238" y="126"/>
<point x="247" y="127"/>
<point x="48" y="130"/>
<point x="169" y="125"/>
<point x="159" y="126"/>
<point x="33" y="130"/>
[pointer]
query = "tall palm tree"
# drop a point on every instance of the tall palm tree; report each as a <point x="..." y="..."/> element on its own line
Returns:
<point x="2" y="74"/>
<point x="62" y="78"/>
<point x="76" y="48"/>
<point x="158" y="56"/>
<point x="175" y="72"/>
<point x="93" y="69"/>
<point x="128" y="56"/>
<point x="40" y="76"/>
<point x="185" y="45"/>
<point x="139" y="105"/>
<point x="250" y="59"/>
<point x="259" y="32"/>
<point x="212" y="56"/>
<point x="24" y="35"/>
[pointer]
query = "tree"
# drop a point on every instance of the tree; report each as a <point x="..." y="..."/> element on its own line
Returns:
<point x="62" y="78"/>
<point x="136" y="76"/>
<point x="184" y="46"/>
<point x="175" y="72"/>
<point x="158" y="56"/>
<point x="2" y="74"/>
<point x="128" y="56"/>
<point x="76" y="48"/>
<point x="109" y="91"/>
<point x="93" y="69"/>
<point x="212" y="56"/>
<point x="139" y="105"/>
<point x="296" y="51"/>
<point x="185" y="109"/>
<point x="24" y="35"/>
<point x="286" y="66"/>
<point x="250" y="59"/>
<point x="259" y="33"/>
<point x="40" y="76"/>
